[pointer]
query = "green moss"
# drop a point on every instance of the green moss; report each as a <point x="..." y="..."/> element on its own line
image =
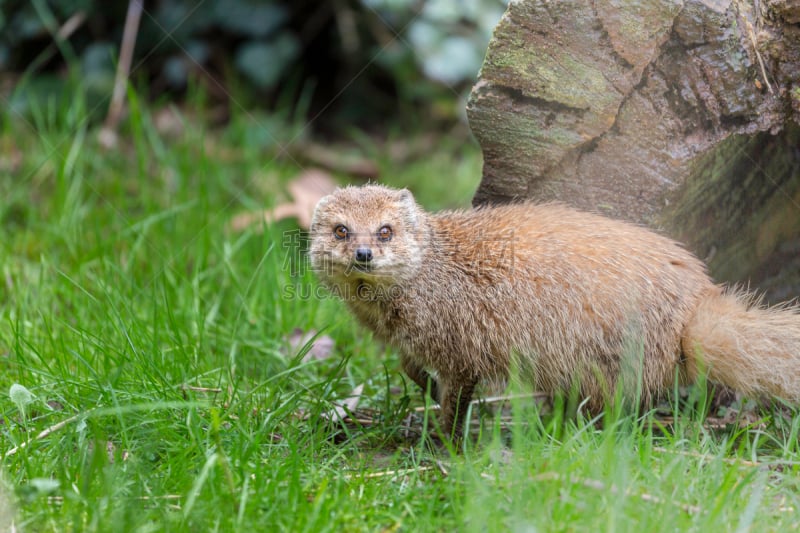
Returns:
<point x="555" y="78"/>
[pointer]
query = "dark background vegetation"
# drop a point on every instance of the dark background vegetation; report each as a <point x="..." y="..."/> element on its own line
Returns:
<point x="369" y="64"/>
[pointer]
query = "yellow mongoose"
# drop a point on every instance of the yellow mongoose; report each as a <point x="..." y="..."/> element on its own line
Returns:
<point x="575" y="301"/>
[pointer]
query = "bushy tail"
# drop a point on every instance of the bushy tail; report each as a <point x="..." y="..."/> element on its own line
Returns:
<point x="746" y="346"/>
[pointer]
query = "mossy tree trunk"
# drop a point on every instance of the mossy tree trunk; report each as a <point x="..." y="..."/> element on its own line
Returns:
<point x="682" y="115"/>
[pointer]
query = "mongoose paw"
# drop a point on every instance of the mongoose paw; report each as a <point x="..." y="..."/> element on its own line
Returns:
<point x="434" y="391"/>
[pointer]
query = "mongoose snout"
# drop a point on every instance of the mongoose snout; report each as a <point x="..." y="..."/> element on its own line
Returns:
<point x="363" y="254"/>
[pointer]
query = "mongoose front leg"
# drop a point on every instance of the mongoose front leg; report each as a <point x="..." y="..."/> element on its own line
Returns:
<point x="456" y="396"/>
<point x="420" y="376"/>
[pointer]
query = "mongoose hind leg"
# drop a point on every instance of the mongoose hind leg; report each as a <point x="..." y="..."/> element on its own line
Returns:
<point x="455" y="399"/>
<point x="421" y="377"/>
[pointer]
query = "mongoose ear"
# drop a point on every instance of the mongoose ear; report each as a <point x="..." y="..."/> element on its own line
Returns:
<point x="406" y="199"/>
<point x="405" y="196"/>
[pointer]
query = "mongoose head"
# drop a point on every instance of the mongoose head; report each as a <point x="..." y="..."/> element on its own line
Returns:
<point x="370" y="234"/>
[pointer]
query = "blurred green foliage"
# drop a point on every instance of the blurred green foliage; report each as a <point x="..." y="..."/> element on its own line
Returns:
<point x="347" y="61"/>
<point x="448" y="38"/>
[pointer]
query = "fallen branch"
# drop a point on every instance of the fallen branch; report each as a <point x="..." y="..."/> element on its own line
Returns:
<point x="45" y="433"/>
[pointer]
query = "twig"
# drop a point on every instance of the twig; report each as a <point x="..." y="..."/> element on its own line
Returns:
<point x="72" y="24"/>
<point x="752" y="36"/>
<point x="108" y="135"/>
<point x="520" y="396"/>
<point x="757" y="11"/>
<point x="63" y="33"/>
<point x="493" y="399"/>
<point x="386" y="473"/>
<point x="202" y="389"/>
<point x="46" y="432"/>
<point x="164" y="497"/>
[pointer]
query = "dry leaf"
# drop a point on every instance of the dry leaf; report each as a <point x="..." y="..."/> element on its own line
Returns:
<point x="322" y="348"/>
<point x="340" y="412"/>
<point x="306" y="190"/>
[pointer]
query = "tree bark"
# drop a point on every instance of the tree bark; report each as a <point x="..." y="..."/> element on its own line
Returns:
<point x="681" y="115"/>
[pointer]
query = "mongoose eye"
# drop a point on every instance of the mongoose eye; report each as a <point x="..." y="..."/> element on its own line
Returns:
<point x="385" y="234"/>
<point x="341" y="232"/>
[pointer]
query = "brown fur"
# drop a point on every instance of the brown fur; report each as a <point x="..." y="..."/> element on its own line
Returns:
<point x="577" y="300"/>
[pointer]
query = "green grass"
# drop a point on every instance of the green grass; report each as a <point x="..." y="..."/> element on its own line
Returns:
<point x="159" y="339"/>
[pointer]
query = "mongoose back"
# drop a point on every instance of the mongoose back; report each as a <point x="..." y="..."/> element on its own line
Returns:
<point x="574" y="301"/>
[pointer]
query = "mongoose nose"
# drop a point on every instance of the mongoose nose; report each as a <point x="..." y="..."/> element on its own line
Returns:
<point x="363" y="255"/>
